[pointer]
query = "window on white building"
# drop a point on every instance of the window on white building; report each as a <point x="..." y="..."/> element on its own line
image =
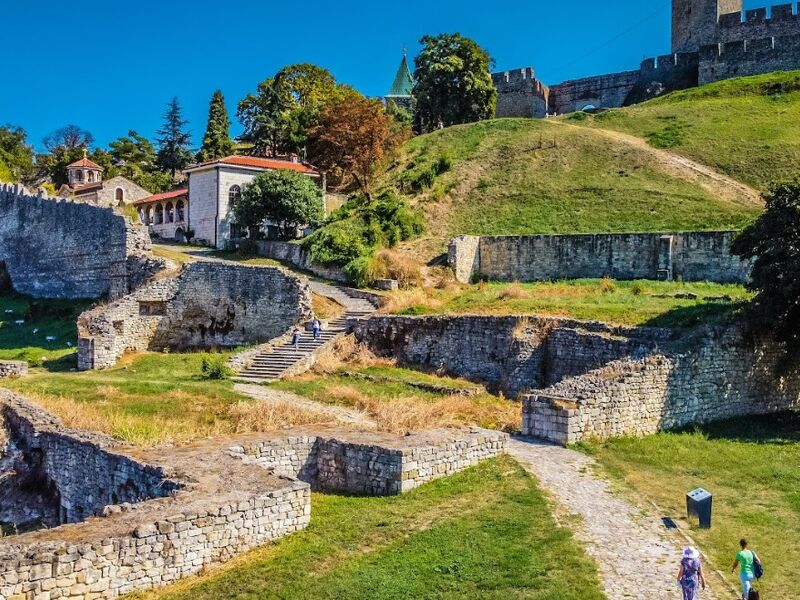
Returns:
<point x="234" y="194"/>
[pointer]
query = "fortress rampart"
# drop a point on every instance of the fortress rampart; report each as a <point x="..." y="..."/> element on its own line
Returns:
<point x="749" y="57"/>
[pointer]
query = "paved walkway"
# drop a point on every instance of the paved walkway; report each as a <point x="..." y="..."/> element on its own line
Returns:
<point x="636" y="555"/>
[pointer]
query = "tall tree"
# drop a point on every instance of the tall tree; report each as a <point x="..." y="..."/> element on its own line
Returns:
<point x="68" y="138"/>
<point x="773" y="241"/>
<point x="16" y="155"/>
<point x="354" y="136"/>
<point x="135" y="157"/>
<point x="174" y="141"/>
<point x="278" y="117"/>
<point x="217" y="141"/>
<point x="453" y="83"/>
<point x="288" y="198"/>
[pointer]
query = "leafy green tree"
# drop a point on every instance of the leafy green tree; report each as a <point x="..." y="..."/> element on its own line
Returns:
<point x="135" y="157"/>
<point x="217" y="141"/>
<point x="288" y="198"/>
<point x="452" y="83"/>
<point x="174" y="141"/>
<point x="278" y="117"/>
<point x="16" y="155"/>
<point x="773" y="241"/>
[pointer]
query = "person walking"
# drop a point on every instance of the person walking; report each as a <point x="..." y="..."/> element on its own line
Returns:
<point x="316" y="327"/>
<point x="746" y="560"/>
<point x="690" y="576"/>
<point x="296" y="339"/>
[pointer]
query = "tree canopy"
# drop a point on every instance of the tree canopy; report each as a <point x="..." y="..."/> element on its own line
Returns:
<point x="135" y="157"/>
<point x="217" y="141"/>
<point x="354" y="136"/>
<point x="174" y="140"/>
<point x="68" y="138"/>
<point x="287" y="198"/>
<point x="452" y="83"/>
<point x="773" y="241"/>
<point x="16" y="155"/>
<point x="278" y="117"/>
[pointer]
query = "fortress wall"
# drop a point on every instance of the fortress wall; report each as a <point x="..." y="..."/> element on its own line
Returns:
<point x="208" y="305"/>
<point x="755" y="23"/>
<point x="691" y="256"/>
<point x="602" y="91"/>
<point x="749" y="57"/>
<point x="520" y="94"/>
<point x="721" y="376"/>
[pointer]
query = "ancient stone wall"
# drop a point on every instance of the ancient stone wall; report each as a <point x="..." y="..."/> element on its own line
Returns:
<point x="719" y="374"/>
<point x="510" y="354"/>
<point x="779" y="20"/>
<point x="207" y="305"/>
<point x="372" y="464"/>
<point x="693" y="256"/>
<point x="13" y="368"/>
<point x="751" y="56"/>
<point x="520" y="94"/>
<point x="296" y="255"/>
<point x="602" y="91"/>
<point x="55" y="248"/>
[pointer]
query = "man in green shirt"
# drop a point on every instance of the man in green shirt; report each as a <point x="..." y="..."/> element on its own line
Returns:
<point x="745" y="559"/>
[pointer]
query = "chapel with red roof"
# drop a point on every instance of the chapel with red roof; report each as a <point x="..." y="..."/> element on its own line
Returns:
<point x="85" y="183"/>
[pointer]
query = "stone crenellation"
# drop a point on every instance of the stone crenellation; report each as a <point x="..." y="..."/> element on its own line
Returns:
<point x="687" y="256"/>
<point x="712" y="40"/>
<point x="207" y="305"/>
<point x="57" y="248"/>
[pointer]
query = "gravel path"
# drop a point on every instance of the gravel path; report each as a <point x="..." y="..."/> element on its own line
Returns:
<point x="636" y="555"/>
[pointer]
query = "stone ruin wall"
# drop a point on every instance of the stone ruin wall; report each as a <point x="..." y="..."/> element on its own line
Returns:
<point x="509" y="354"/>
<point x="13" y="368"/>
<point x="207" y="305"/>
<point x="57" y="248"/>
<point x="693" y="256"/>
<point x="721" y="375"/>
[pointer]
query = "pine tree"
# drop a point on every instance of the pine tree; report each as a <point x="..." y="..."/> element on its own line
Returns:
<point x="173" y="141"/>
<point x="216" y="141"/>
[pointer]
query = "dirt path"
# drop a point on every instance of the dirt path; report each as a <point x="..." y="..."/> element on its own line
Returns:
<point x="714" y="182"/>
<point x="345" y="416"/>
<point x="637" y="557"/>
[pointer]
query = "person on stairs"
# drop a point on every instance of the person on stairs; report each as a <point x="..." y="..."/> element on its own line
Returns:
<point x="296" y="339"/>
<point x="316" y="327"/>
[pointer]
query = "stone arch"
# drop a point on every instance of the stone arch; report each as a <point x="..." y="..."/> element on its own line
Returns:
<point x="119" y="195"/>
<point x="179" y="211"/>
<point x="169" y="213"/>
<point x="180" y="236"/>
<point x="159" y="214"/>
<point x="148" y="215"/>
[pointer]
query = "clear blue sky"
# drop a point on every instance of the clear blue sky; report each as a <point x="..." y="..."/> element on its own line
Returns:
<point x="112" y="66"/>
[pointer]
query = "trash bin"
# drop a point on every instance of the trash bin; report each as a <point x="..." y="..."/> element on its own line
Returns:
<point x="698" y="504"/>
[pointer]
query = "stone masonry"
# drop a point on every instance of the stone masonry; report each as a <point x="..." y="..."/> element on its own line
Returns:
<point x="200" y="506"/>
<point x="207" y="305"/>
<point x="687" y="256"/>
<point x="56" y="248"/>
<point x="13" y="368"/>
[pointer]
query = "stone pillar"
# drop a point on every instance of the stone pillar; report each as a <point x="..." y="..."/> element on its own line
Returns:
<point x="463" y="256"/>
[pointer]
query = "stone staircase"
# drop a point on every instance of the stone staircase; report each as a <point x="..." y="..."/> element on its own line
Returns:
<point x="284" y="359"/>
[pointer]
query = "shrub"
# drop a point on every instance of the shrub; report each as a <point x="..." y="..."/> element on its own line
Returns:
<point x="215" y="368"/>
<point x="337" y="243"/>
<point x="637" y="289"/>
<point x="607" y="285"/>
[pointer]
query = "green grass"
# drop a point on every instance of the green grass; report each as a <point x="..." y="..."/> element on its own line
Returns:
<point x="515" y="176"/>
<point x="624" y="302"/>
<point x="484" y="533"/>
<point x="752" y="466"/>
<point x="146" y="399"/>
<point x="51" y="318"/>
<point x="748" y="128"/>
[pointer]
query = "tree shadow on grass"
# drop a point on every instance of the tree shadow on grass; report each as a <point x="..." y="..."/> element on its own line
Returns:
<point x="777" y="429"/>
<point x="688" y="317"/>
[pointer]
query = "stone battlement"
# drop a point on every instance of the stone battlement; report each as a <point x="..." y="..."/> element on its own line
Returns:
<point x="748" y="57"/>
<point x="778" y="15"/>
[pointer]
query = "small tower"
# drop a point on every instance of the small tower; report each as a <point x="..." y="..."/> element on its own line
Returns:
<point x="400" y="92"/>
<point x="84" y="171"/>
<point x="694" y="22"/>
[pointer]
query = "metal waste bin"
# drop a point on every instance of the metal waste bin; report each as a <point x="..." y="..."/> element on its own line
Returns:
<point x="698" y="504"/>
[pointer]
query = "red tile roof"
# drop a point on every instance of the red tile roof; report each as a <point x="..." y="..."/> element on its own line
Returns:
<point x="254" y="162"/>
<point x="165" y="196"/>
<point x="85" y="163"/>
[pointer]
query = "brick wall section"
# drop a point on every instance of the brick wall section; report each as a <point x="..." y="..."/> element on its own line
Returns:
<point x="721" y="375"/>
<point x="374" y="465"/>
<point x="693" y="256"/>
<point x="13" y="368"/>
<point x="207" y="305"/>
<point x="509" y="354"/>
<point x="55" y="248"/>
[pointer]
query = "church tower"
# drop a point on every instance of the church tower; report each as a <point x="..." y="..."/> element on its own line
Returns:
<point x="694" y="22"/>
<point x="403" y="85"/>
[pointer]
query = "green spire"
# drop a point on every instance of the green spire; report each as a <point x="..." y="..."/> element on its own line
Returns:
<point x="403" y="81"/>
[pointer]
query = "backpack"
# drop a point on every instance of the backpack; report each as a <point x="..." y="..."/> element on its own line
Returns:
<point x="754" y="595"/>
<point x="758" y="568"/>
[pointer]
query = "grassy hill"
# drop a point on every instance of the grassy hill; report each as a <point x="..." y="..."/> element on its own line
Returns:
<point x="747" y="128"/>
<point x="515" y="176"/>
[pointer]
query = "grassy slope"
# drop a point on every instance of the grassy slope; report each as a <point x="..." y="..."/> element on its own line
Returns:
<point x="514" y="176"/>
<point x="752" y="466"/>
<point x="748" y="128"/>
<point x="484" y="533"/>
<point x="623" y="302"/>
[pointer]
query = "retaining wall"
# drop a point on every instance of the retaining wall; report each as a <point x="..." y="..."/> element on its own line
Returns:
<point x="56" y="248"/>
<point x="13" y="368"/>
<point x="297" y="256"/>
<point x="207" y="305"/>
<point x="694" y="256"/>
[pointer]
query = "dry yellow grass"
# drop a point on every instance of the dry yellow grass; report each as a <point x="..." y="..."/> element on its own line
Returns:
<point x="515" y="292"/>
<point x="405" y="269"/>
<point x="416" y="297"/>
<point x="252" y="417"/>
<point x="325" y="308"/>
<point x="346" y="351"/>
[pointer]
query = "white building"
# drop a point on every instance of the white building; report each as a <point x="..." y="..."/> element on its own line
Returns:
<point x="216" y="186"/>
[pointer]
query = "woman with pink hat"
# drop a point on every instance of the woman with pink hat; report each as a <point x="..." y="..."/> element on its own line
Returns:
<point x="690" y="577"/>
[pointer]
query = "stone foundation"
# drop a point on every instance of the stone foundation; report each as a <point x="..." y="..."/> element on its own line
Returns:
<point x="207" y="305"/>
<point x="13" y="368"/>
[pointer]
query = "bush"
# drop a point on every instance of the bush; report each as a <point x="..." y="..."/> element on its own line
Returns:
<point x="215" y="368"/>
<point x="337" y="243"/>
